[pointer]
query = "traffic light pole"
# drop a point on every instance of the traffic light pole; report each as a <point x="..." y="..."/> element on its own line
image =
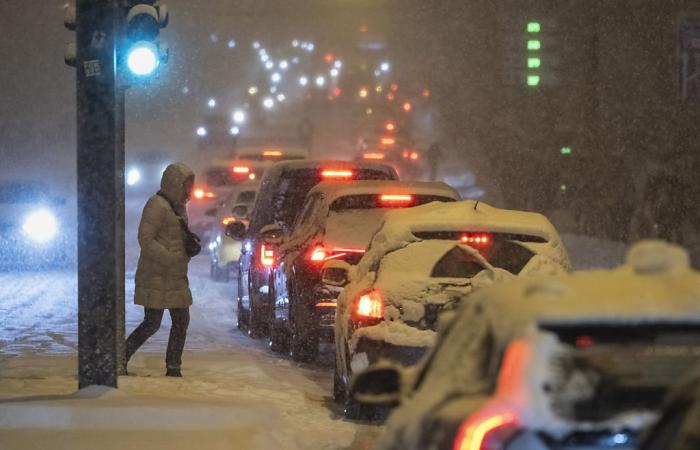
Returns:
<point x="99" y="156"/>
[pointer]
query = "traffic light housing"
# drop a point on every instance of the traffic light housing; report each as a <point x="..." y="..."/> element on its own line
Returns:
<point x="141" y="52"/>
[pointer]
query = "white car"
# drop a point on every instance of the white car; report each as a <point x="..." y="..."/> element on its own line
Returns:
<point x="580" y="361"/>
<point x="224" y="252"/>
<point x="422" y="261"/>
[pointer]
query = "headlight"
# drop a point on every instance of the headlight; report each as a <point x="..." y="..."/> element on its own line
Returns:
<point x="133" y="177"/>
<point x="40" y="226"/>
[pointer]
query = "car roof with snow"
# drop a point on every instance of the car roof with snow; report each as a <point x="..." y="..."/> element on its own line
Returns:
<point x="656" y="285"/>
<point x="332" y="190"/>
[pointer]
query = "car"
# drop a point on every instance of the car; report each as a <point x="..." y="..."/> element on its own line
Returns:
<point x="283" y="189"/>
<point x="251" y="162"/>
<point x="336" y="223"/>
<point x="677" y="428"/>
<point x="224" y="252"/>
<point x="421" y="262"/>
<point x="578" y="361"/>
<point x="34" y="226"/>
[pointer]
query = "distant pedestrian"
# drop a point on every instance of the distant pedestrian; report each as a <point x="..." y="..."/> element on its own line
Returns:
<point x="433" y="156"/>
<point x="161" y="276"/>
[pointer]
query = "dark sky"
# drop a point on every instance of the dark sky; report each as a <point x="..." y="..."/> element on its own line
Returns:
<point x="37" y="92"/>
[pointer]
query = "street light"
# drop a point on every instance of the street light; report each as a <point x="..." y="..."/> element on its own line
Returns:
<point x="268" y="103"/>
<point x="320" y="81"/>
<point x="281" y="97"/>
<point x="238" y="116"/>
<point x="334" y="72"/>
<point x="284" y="64"/>
<point x="303" y="81"/>
<point x="385" y="67"/>
<point x="201" y="131"/>
<point x="212" y="103"/>
<point x="276" y="77"/>
<point x="233" y="131"/>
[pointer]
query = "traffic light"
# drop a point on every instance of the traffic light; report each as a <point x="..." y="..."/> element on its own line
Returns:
<point x="141" y="52"/>
<point x="533" y="56"/>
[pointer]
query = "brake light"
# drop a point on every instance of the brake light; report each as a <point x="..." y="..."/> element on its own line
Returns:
<point x="479" y="239"/>
<point x="267" y="256"/>
<point x="241" y="169"/>
<point x="335" y="173"/>
<point x="320" y="254"/>
<point x="396" y="198"/>
<point x="369" y="306"/>
<point x="492" y="433"/>
<point x="272" y="152"/>
<point x="200" y="193"/>
<point x="414" y="155"/>
<point x="390" y="126"/>
<point x="373" y="155"/>
<point x="388" y="141"/>
<point x="228" y="220"/>
<point x="584" y="341"/>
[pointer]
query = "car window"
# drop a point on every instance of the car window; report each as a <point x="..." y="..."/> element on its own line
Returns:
<point x="246" y="197"/>
<point x="307" y="212"/>
<point x="457" y="263"/>
<point x="217" y="177"/>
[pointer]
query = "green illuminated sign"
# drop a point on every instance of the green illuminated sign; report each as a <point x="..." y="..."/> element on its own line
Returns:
<point x="534" y="44"/>
<point x="533" y="27"/>
<point x="534" y="63"/>
<point x="533" y="80"/>
<point x="565" y="150"/>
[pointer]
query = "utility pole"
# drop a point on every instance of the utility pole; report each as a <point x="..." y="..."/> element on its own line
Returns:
<point x="100" y="153"/>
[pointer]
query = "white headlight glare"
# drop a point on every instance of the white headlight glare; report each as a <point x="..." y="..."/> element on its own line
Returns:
<point x="40" y="226"/>
<point x="133" y="177"/>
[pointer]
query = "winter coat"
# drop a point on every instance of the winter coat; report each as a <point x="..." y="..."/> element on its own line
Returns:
<point x="161" y="274"/>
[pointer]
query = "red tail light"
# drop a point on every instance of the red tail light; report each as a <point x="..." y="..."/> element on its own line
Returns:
<point x="584" y="341"/>
<point x="241" y="170"/>
<point x="319" y="253"/>
<point x="369" y="306"/>
<point x="390" y="126"/>
<point x="477" y="239"/>
<point x="491" y="433"/>
<point x="337" y="173"/>
<point x="414" y="155"/>
<point x="396" y="199"/>
<point x="373" y="155"/>
<point x="201" y="193"/>
<point x="228" y="220"/>
<point x="387" y="141"/>
<point x="267" y="256"/>
<point x="272" y="152"/>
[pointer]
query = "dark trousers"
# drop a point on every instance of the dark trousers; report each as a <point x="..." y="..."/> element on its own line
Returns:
<point x="151" y="323"/>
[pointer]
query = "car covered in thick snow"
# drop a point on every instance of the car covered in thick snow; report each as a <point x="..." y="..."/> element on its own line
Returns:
<point x="422" y="262"/>
<point x="579" y="361"/>
<point x="679" y="425"/>
<point x="224" y="251"/>
<point x="283" y="190"/>
<point x="336" y="223"/>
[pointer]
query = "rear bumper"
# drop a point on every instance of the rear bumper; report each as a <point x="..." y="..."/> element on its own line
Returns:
<point x="369" y="351"/>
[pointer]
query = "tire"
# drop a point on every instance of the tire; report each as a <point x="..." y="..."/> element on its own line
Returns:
<point x="279" y="337"/>
<point x="304" y="334"/>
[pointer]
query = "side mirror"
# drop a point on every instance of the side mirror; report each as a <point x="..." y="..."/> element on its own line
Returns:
<point x="378" y="385"/>
<point x="240" y="211"/>
<point x="236" y="230"/>
<point x="210" y="212"/>
<point x="272" y="234"/>
<point x="336" y="273"/>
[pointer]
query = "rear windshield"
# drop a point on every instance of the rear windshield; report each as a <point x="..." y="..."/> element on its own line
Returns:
<point x="611" y="369"/>
<point x="372" y="201"/>
<point x="503" y="254"/>
<point x="217" y="177"/>
<point x="246" y="197"/>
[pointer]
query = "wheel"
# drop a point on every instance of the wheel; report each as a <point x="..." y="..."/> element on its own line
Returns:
<point x="279" y="337"/>
<point x="304" y="332"/>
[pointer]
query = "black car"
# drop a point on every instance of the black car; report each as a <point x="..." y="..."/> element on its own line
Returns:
<point x="282" y="193"/>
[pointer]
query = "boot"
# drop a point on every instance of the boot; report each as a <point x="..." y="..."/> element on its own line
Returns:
<point x="173" y="372"/>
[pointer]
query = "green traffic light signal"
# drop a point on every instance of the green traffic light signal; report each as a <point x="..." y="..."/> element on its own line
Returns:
<point x="533" y="27"/>
<point x="533" y="80"/>
<point x="565" y="151"/>
<point x="534" y="63"/>
<point x="534" y="44"/>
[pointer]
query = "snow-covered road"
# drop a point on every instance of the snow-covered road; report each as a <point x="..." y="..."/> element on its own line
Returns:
<point x="38" y="341"/>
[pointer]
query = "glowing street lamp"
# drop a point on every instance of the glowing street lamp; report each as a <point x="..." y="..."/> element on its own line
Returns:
<point x="238" y="116"/>
<point x="201" y="131"/>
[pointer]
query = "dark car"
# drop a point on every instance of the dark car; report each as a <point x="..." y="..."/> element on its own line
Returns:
<point x="282" y="193"/>
<point x="336" y="224"/>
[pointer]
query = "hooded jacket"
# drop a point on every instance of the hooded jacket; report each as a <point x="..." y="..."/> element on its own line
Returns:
<point x="161" y="274"/>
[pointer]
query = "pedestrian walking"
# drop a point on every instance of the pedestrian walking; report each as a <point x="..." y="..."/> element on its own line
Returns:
<point x="161" y="275"/>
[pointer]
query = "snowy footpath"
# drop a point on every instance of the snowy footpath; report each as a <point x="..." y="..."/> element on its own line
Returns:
<point x="235" y="394"/>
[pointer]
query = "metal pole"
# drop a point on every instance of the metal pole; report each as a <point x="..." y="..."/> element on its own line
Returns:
<point x="96" y="33"/>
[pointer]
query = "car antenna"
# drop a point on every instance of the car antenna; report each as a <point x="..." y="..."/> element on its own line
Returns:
<point x="476" y="204"/>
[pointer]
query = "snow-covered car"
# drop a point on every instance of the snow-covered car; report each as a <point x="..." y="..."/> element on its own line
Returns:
<point x="579" y="361"/>
<point x="421" y="262"/>
<point x="283" y="190"/>
<point x="224" y="251"/>
<point x="336" y="223"/>
<point x="678" y="428"/>
<point x="34" y="226"/>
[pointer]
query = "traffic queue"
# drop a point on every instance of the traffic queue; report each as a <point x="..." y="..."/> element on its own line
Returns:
<point x="463" y="318"/>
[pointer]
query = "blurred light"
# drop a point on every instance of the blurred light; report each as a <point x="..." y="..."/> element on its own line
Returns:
<point x="276" y="77"/>
<point x="534" y="63"/>
<point x="328" y="57"/>
<point x="363" y="93"/>
<point x="133" y="177"/>
<point x="295" y="60"/>
<point x="385" y="67"/>
<point x="185" y="90"/>
<point x="533" y="80"/>
<point x="253" y="90"/>
<point x="295" y="43"/>
<point x="337" y="91"/>
<point x="390" y="96"/>
<point x="281" y="97"/>
<point x="268" y="102"/>
<point x="379" y="88"/>
<point x="310" y="46"/>
<point x="407" y="106"/>
<point x="364" y="28"/>
<point x="534" y="44"/>
<point x="231" y="44"/>
<point x="284" y="64"/>
<point x="211" y="102"/>
<point x="303" y="81"/>
<point x="264" y="57"/>
<point x="238" y="116"/>
<point x="338" y="64"/>
<point x="369" y="111"/>
<point x="533" y="27"/>
<point x="563" y="187"/>
<point x="214" y="38"/>
<point x="201" y="131"/>
<point x="251" y="176"/>
<point x="143" y="59"/>
<point x="426" y="93"/>
<point x="390" y="126"/>
<point x="377" y="73"/>
<point x="334" y="72"/>
<point x="387" y="141"/>
<point x="272" y="152"/>
<point x="233" y="131"/>
<point x="273" y="89"/>
<point x="269" y="65"/>
<point x="40" y="226"/>
<point x="414" y="156"/>
<point x="320" y="81"/>
<point x="394" y="87"/>
<point x="256" y="45"/>
<point x="373" y="155"/>
<point x="565" y="150"/>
